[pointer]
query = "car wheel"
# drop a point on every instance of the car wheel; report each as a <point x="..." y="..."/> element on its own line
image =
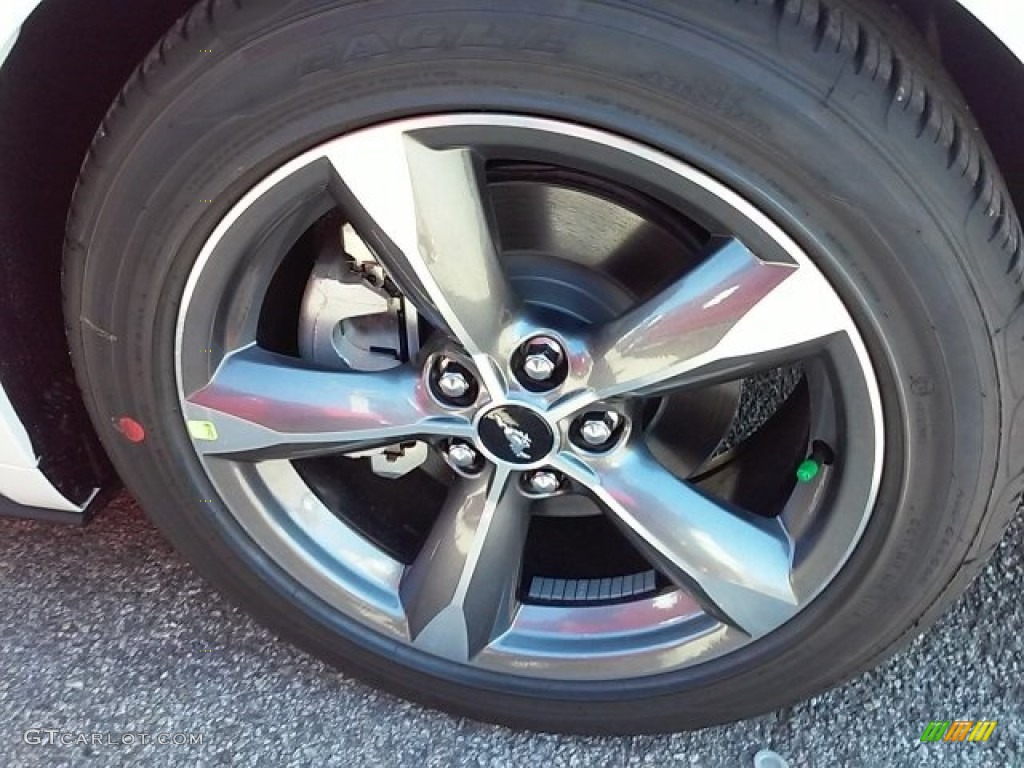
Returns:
<point x="581" y="366"/>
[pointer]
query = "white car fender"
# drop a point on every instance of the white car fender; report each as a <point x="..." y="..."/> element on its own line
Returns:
<point x="1003" y="18"/>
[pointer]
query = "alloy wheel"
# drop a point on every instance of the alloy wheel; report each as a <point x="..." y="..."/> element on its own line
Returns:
<point x="576" y="471"/>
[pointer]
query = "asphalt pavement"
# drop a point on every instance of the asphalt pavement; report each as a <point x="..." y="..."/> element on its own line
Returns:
<point x="106" y="631"/>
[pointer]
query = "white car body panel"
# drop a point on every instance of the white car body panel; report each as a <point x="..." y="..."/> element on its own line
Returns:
<point x="1003" y="18"/>
<point x="20" y="479"/>
<point x="12" y="15"/>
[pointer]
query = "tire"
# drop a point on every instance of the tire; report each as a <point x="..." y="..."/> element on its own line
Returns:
<point x="827" y="115"/>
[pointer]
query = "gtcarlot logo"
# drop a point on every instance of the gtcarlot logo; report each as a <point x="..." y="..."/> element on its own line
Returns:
<point x="56" y="736"/>
<point x="959" y="730"/>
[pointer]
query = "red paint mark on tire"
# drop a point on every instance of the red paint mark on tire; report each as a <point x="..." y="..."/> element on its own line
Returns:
<point x="131" y="429"/>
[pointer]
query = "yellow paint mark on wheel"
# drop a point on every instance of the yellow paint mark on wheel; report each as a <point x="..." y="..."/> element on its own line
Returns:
<point x="203" y="430"/>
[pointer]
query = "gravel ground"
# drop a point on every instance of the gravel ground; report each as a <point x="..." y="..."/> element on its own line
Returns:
<point x="107" y="630"/>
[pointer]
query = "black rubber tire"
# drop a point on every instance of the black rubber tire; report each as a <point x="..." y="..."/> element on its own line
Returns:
<point x="829" y="114"/>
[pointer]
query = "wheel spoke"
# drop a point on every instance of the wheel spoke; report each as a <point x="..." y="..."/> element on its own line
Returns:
<point x="733" y="314"/>
<point x="738" y="564"/>
<point x="259" y="405"/>
<point x="425" y="216"/>
<point x="460" y="592"/>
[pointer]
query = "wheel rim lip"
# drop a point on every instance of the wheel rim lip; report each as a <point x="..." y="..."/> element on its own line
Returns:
<point x="681" y="634"/>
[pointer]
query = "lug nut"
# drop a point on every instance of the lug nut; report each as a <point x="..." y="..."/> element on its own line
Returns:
<point x="543" y="482"/>
<point x="598" y="430"/>
<point x="540" y="364"/>
<point x="452" y="383"/>
<point x="538" y="367"/>
<point x="462" y="457"/>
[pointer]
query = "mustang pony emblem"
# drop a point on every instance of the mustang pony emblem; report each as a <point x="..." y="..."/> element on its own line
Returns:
<point x="518" y="441"/>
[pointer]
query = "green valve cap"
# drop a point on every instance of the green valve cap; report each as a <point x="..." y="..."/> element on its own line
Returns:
<point x="808" y="470"/>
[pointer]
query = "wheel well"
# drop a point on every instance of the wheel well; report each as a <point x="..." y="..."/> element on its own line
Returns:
<point x="990" y="76"/>
<point x="68" y="66"/>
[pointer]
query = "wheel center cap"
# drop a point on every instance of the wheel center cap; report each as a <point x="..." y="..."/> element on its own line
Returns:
<point x="515" y="434"/>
